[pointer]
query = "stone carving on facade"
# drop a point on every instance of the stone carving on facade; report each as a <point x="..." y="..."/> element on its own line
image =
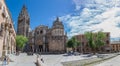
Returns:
<point x="2" y="29"/>
<point x="3" y="12"/>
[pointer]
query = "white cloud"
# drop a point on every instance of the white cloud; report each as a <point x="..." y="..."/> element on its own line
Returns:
<point x="95" y="15"/>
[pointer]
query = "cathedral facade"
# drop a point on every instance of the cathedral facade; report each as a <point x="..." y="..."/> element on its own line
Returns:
<point x="42" y="38"/>
<point x="51" y="40"/>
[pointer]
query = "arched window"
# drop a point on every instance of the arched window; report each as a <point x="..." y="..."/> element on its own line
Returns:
<point x="41" y="31"/>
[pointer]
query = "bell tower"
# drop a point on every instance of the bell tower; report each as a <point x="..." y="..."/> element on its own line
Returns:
<point x="23" y="22"/>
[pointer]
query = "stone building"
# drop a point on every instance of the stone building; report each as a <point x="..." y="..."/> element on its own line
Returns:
<point x="115" y="46"/>
<point x="7" y="31"/>
<point x="41" y="40"/>
<point x="23" y="22"/>
<point x="31" y="41"/>
<point x="84" y="47"/>
<point x="57" y="37"/>
<point x="49" y="40"/>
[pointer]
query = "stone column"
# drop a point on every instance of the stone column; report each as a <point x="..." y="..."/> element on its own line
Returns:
<point x="3" y="34"/>
<point x="9" y="43"/>
<point x="10" y="40"/>
<point x="14" y="47"/>
<point x="44" y="43"/>
<point x="11" y="49"/>
<point x="44" y="47"/>
<point x="5" y="39"/>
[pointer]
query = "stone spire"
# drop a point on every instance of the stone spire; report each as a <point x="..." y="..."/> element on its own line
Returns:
<point x="57" y="23"/>
<point x="23" y="22"/>
<point x="57" y="19"/>
<point x="24" y="13"/>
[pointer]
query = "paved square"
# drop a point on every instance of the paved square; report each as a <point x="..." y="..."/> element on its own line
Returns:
<point x="49" y="60"/>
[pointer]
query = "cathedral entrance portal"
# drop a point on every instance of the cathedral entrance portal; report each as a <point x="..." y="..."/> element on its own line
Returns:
<point x="43" y="48"/>
<point x="40" y="48"/>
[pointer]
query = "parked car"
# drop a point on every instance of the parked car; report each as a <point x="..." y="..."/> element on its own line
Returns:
<point x="76" y="53"/>
<point x="29" y="53"/>
<point x="89" y="55"/>
<point x="70" y="53"/>
<point x="100" y="56"/>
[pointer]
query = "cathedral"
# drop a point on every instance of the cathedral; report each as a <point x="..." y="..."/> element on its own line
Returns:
<point x="23" y="22"/>
<point x="42" y="39"/>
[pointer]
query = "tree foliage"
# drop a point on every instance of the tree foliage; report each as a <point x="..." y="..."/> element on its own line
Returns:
<point x="90" y="38"/>
<point x="70" y="43"/>
<point x="73" y="43"/>
<point x="95" y="40"/>
<point x="100" y="39"/>
<point x="21" y="41"/>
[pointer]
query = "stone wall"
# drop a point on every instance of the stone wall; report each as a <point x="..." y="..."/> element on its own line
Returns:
<point x="7" y="31"/>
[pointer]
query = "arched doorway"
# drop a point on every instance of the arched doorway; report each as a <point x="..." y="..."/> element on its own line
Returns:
<point x="40" y="48"/>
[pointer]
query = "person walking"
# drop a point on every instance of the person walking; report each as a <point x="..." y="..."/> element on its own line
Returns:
<point x="42" y="60"/>
<point x="5" y="61"/>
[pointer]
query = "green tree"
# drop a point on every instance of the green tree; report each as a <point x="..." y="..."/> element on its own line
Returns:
<point x="91" y="42"/>
<point x="21" y="41"/>
<point x="95" y="41"/>
<point x="100" y="40"/>
<point x="70" y="43"/>
<point x="76" y="43"/>
<point x="73" y="43"/>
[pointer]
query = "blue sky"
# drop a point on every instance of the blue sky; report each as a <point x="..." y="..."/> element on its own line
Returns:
<point x="40" y="11"/>
<point x="78" y="16"/>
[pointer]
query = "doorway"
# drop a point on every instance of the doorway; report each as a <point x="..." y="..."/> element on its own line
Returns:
<point x="40" y="48"/>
